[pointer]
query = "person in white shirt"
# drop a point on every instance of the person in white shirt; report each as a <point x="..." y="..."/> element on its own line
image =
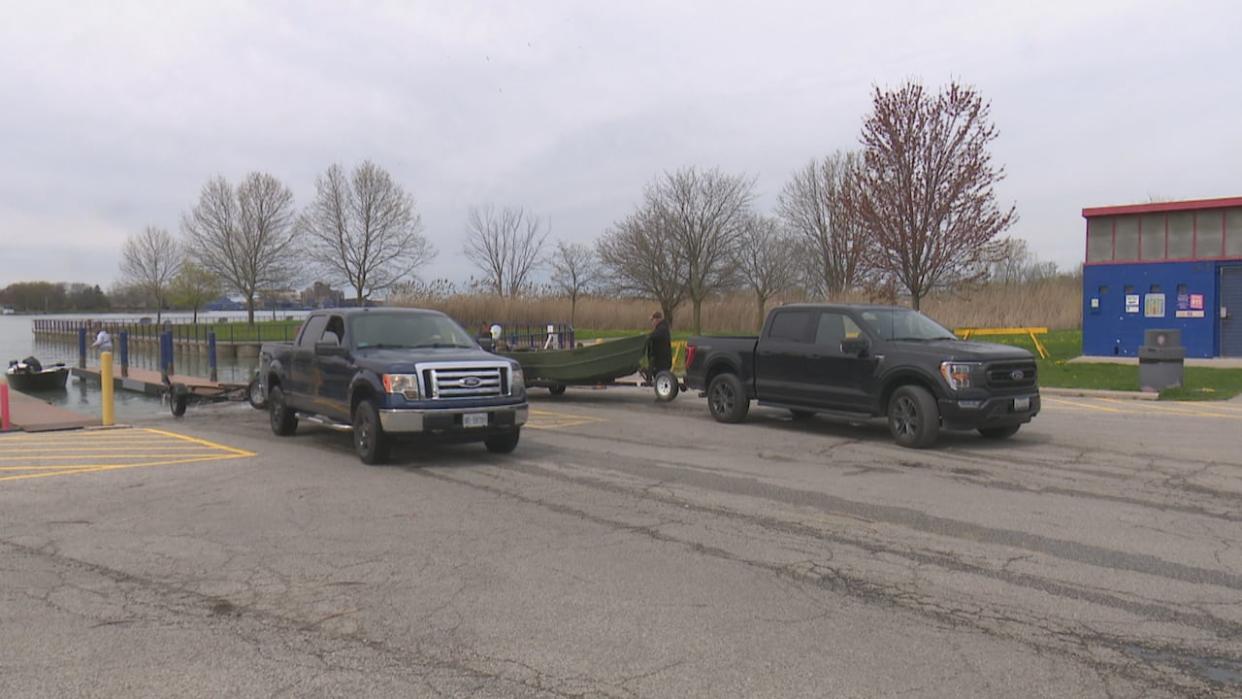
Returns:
<point x="103" y="341"/>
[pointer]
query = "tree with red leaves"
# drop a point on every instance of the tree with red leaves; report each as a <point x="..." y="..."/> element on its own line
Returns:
<point x="925" y="191"/>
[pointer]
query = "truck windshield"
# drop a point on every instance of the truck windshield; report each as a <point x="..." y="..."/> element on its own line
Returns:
<point x="407" y="331"/>
<point x="902" y="324"/>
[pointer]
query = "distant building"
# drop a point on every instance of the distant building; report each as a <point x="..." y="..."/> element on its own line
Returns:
<point x="321" y="295"/>
<point x="1168" y="265"/>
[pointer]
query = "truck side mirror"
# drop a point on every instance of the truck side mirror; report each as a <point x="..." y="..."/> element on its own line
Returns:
<point x="855" y="346"/>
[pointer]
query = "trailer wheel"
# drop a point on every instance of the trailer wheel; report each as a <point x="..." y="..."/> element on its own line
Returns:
<point x="557" y="389"/>
<point x="254" y="394"/>
<point x="177" y="404"/>
<point x="666" y="386"/>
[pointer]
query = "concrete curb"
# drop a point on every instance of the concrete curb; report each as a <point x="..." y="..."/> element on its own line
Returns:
<point x="1096" y="393"/>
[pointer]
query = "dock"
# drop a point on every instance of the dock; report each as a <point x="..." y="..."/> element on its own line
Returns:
<point x="29" y="414"/>
<point x="150" y="382"/>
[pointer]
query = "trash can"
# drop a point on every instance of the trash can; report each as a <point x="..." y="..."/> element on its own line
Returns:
<point x="1161" y="360"/>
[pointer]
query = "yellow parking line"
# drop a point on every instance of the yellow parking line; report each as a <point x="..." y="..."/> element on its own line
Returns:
<point x="96" y="468"/>
<point x="1088" y="406"/>
<point x="204" y="442"/>
<point x="1179" y="410"/>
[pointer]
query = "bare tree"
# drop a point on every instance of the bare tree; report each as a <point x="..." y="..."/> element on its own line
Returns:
<point x="505" y="246"/>
<point x="194" y="287"/>
<point x="363" y="230"/>
<point x="704" y="211"/>
<point x="766" y="261"/>
<point x="244" y="235"/>
<point x="574" y="271"/>
<point x="641" y="258"/>
<point x="925" y="191"/>
<point x="149" y="261"/>
<point x="813" y="205"/>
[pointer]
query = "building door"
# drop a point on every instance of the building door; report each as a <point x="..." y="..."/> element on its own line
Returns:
<point x="1230" y="312"/>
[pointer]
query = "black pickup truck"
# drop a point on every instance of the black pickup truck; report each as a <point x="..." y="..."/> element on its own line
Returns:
<point x="868" y="361"/>
<point x="393" y="372"/>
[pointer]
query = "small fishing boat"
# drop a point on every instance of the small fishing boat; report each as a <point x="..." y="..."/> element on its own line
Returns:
<point x="30" y="375"/>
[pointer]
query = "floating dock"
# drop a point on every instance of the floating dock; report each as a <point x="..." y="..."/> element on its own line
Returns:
<point x="29" y="414"/>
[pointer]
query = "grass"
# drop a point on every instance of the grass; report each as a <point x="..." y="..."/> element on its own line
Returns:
<point x="1200" y="383"/>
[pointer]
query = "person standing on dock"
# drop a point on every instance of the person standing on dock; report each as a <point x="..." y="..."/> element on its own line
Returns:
<point x="103" y="340"/>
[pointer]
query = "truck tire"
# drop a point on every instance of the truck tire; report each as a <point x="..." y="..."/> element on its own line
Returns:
<point x="666" y="386"/>
<point x="999" y="432"/>
<point x="556" y="389"/>
<point x="503" y="443"/>
<point x="726" y="398"/>
<point x="913" y="417"/>
<point x="369" y="439"/>
<point x="284" y="420"/>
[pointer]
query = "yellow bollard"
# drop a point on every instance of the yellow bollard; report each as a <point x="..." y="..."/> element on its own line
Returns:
<point x="105" y="382"/>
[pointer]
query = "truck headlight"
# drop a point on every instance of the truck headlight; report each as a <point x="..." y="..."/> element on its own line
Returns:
<point x="405" y="384"/>
<point x="517" y="380"/>
<point x="958" y="375"/>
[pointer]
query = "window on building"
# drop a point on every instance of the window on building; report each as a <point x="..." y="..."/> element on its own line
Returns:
<point x="1181" y="235"/>
<point x="1233" y="233"/>
<point x="1127" y="247"/>
<point x="1099" y="239"/>
<point x="1209" y="228"/>
<point x="1153" y="237"/>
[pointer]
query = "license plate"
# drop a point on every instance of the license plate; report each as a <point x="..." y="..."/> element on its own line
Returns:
<point x="1021" y="405"/>
<point x="474" y="420"/>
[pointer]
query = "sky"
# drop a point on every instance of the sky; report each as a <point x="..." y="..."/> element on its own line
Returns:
<point x="113" y="115"/>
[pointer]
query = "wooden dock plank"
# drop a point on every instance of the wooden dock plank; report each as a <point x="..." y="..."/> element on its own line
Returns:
<point x="29" y="414"/>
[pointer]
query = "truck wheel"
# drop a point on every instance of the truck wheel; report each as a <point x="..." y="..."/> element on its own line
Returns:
<point x="284" y="421"/>
<point x="726" y="398"/>
<point x="369" y="439"/>
<point x="999" y="432"/>
<point x="503" y="443"/>
<point x="556" y="389"/>
<point x="913" y="417"/>
<point x="666" y="386"/>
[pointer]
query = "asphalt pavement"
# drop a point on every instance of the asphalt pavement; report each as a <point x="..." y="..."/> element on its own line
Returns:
<point x="629" y="548"/>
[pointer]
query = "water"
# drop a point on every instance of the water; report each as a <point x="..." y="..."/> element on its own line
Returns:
<point x="17" y="342"/>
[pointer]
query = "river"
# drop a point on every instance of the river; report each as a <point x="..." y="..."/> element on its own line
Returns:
<point x="17" y="342"/>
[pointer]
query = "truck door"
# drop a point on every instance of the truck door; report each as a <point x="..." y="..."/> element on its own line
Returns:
<point x="837" y="379"/>
<point x="335" y="372"/>
<point x="781" y="357"/>
<point x="302" y="376"/>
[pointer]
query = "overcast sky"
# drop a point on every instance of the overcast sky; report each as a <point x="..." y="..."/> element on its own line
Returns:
<point x="113" y="115"/>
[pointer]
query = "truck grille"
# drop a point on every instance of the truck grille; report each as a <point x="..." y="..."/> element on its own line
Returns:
<point x="1005" y="375"/>
<point x="466" y="381"/>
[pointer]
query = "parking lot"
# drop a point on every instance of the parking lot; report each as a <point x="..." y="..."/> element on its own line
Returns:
<point x="629" y="548"/>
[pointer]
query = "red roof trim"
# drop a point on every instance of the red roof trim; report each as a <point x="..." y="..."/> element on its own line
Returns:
<point x="1163" y="206"/>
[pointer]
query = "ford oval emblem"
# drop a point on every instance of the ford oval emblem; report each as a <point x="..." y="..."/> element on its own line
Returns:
<point x="1017" y="375"/>
<point x="471" y="381"/>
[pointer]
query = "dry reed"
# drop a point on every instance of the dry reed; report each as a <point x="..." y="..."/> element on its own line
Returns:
<point x="1055" y="303"/>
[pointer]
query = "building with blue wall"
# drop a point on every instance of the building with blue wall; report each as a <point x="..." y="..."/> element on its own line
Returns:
<point x="1164" y="265"/>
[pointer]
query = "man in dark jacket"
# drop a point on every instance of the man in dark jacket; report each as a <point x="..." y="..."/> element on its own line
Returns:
<point x="660" y="344"/>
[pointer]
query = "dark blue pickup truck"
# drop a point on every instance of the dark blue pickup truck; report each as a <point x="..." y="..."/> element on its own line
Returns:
<point x="386" y="373"/>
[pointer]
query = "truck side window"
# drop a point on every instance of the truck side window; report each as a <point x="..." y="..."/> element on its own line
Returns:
<point x="312" y="331"/>
<point x="335" y="331"/>
<point x="790" y="326"/>
<point x="833" y="328"/>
